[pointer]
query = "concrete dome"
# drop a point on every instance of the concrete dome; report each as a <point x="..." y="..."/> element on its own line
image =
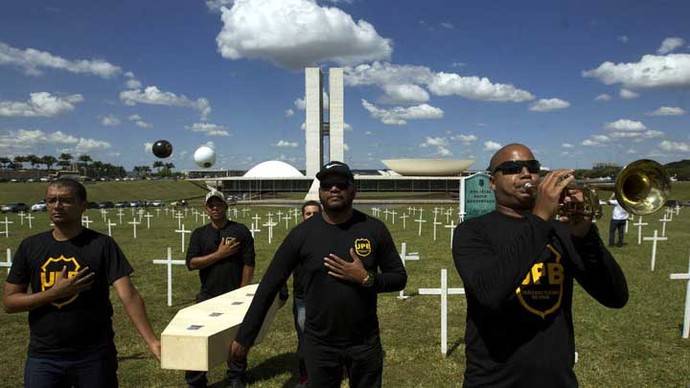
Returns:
<point x="273" y="169"/>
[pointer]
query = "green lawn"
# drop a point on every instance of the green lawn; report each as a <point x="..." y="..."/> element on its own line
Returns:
<point x="639" y="345"/>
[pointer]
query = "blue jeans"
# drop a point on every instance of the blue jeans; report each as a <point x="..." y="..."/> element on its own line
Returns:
<point x="95" y="369"/>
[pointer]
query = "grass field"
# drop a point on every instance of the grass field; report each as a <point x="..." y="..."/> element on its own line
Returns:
<point x="638" y="346"/>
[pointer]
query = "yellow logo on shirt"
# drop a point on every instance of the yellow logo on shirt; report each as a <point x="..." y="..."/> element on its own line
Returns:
<point x="362" y="247"/>
<point x="52" y="268"/>
<point x="541" y="291"/>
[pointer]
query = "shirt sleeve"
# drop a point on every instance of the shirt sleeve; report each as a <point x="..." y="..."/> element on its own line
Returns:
<point x="393" y="276"/>
<point x="117" y="265"/>
<point x="20" y="273"/>
<point x="598" y="272"/>
<point x="194" y="248"/>
<point x="284" y="262"/>
<point x="248" y="253"/>
<point x="490" y="273"/>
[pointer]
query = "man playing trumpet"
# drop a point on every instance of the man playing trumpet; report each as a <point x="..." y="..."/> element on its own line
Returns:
<point x="517" y="264"/>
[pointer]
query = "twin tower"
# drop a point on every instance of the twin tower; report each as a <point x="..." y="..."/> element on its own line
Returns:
<point x="316" y="128"/>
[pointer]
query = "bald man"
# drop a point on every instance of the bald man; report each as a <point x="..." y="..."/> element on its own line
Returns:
<point x="517" y="264"/>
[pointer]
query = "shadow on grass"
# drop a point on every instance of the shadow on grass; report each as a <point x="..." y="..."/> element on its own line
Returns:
<point x="274" y="366"/>
<point x="455" y="346"/>
<point x="135" y="356"/>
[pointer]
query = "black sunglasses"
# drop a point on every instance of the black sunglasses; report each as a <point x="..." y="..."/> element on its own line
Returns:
<point x="515" y="167"/>
<point x="341" y="185"/>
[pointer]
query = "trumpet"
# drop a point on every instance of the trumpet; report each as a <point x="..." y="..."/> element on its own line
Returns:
<point x="641" y="188"/>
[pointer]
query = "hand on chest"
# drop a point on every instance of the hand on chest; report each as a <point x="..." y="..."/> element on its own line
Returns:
<point x="363" y="245"/>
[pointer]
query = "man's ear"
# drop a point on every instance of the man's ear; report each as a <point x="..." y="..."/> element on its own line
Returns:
<point x="492" y="182"/>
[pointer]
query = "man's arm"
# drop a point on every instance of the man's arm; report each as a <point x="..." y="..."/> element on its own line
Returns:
<point x="598" y="272"/>
<point x="247" y="274"/>
<point x="393" y="276"/>
<point x="16" y="298"/>
<point x="224" y="250"/>
<point x="492" y="273"/>
<point x="135" y="309"/>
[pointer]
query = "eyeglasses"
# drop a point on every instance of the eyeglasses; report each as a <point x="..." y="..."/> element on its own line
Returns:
<point x="515" y="167"/>
<point x="341" y="185"/>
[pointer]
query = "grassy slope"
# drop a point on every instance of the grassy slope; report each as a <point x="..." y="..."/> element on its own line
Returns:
<point x="639" y="345"/>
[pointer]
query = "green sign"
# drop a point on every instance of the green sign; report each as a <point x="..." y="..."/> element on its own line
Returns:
<point x="476" y="196"/>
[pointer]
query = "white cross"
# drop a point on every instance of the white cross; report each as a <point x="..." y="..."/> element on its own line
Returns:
<point x="295" y="215"/>
<point x="86" y="220"/>
<point x="654" y="240"/>
<point x="7" y="263"/>
<point x="179" y="218"/>
<point x="29" y="217"/>
<point x="186" y="210"/>
<point x="436" y="223"/>
<point x="674" y="276"/>
<point x="405" y="257"/>
<point x="183" y="231"/>
<point x="374" y="211"/>
<point x="110" y="225"/>
<point x="448" y="213"/>
<point x="21" y="217"/>
<point x="286" y="218"/>
<point x="131" y="210"/>
<point x="461" y="216"/>
<point x="166" y="211"/>
<point x="677" y="208"/>
<point x="158" y="212"/>
<point x="104" y="214"/>
<point x="234" y="212"/>
<point x="663" y="224"/>
<point x="134" y="224"/>
<point x="404" y="217"/>
<point x="669" y="214"/>
<point x="253" y="229"/>
<point x="140" y="213"/>
<point x="420" y="221"/>
<point x="393" y="213"/>
<point x="204" y="216"/>
<point x="148" y="217"/>
<point x="270" y="224"/>
<point x="7" y="230"/>
<point x="451" y="226"/>
<point x="170" y="262"/>
<point x="120" y="213"/>
<point x="435" y="212"/>
<point x="386" y="212"/>
<point x="444" y="291"/>
<point x="244" y="212"/>
<point x="279" y="214"/>
<point x="639" y="225"/>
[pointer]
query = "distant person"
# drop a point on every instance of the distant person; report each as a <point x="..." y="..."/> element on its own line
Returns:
<point x="619" y="218"/>
<point x="223" y="252"/>
<point x="347" y="258"/>
<point x="518" y="265"/>
<point x="69" y="270"/>
<point x="309" y="209"/>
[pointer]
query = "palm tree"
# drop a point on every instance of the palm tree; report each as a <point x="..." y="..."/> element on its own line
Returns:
<point x="65" y="160"/>
<point x="158" y="165"/>
<point x="19" y="161"/>
<point x="49" y="161"/>
<point x="34" y="160"/>
<point x="5" y="162"/>
<point x="84" y="162"/>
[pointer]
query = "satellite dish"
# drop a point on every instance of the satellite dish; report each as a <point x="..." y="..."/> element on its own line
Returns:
<point x="204" y="156"/>
<point x="162" y="149"/>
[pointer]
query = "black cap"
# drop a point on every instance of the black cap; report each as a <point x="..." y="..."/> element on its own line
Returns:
<point x="335" y="168"/>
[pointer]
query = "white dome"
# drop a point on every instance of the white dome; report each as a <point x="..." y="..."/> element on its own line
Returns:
<point x="273" y="169"/>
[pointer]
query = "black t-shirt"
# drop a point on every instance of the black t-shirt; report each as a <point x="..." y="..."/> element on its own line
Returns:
<point x="339" y="312"/>
<point x="224" y="275"/>
<point x="82" y="322"/>
<point x="518" y="275"/>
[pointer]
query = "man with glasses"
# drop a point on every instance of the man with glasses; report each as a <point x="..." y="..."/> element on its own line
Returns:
<point x="223" y="252"/>
<point x="70" y="269"/>
<point x="347" y="258"/>
<point x="517" y="264"/>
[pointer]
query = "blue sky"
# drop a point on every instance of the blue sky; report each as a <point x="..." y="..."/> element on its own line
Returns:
<point x="578" y="81"/>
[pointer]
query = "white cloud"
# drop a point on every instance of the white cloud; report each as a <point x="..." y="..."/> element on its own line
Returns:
<point x="297" y="33"/>
<point x="368" y="133"/>
<point x="132" y="82"/>
<point x="623" y="38"/>
<point x="400" y="115"/>
<point x="465" y="139"/>
<point x="110" y="121"/>
<point x="595" y="140"/>
<point x="447" y="25"/>
<point x="476" y="88"/>
<point x="667" y="111"/>
<point x="405" y="94"/>
<point x="216" y="5"/>
<point x="32" y="61"/>
<point x="152" y="95"/>
<point x="548" y="105"/>
<point x="148" y="147"/>
<point x="602" y="97"/>
<point x="209" y="129"/>
<point x="387" y="76"/>
<point x="669" y="44"/>
<point x="41" y="104"/>
<point x="301" y="103"/>
<point x="346" y="147"/>
<point x="567" y="145"/>
<point x="627" y="94"/>
<point x="434" y="142"/>
<point x="289" y="113"/>
<point x="674" y="146"/>
<point x="286" y="144"/>
<point x="136" y="119"/>
<point x="625" y="125"/>
<point x="491" y="145"/>
<point x="652" y="71"/>
<point x="26" y="139"/>
<point x="648" y="134"/>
